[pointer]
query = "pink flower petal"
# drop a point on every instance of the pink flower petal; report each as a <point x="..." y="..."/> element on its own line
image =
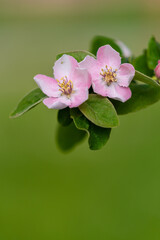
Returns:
<point x="100" y="87"/>
<point x="81" y="83"/>
<point x="48" y="85"/>
<point x="64" y="66"/>
<point x="79" y="97"/>
<point x="108" y="56"/>
<point x="54" y="103"/>
<point x="157" y="70"/>
<point x="118" y="93"/>
<point x="65" y="99"/>
<point x="92" y="65"/>
<point x="81" y="78"/>
<point x="125" y="74"/>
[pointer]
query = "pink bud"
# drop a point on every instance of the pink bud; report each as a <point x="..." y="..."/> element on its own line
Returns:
<point x="157" y="70"/>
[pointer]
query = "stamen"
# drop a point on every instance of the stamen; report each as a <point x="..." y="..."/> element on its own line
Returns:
<point x="66" y="86"/>
<point x="108" y="75"/>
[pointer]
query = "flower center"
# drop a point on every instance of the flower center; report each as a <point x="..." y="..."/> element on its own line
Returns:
<point x="108" y="75"/>
<point x="66" y="86"/>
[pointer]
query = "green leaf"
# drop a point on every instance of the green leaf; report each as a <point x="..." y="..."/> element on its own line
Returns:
<point x="142" y="96"/>
<point x="145" y="79"/>
<point x="64" y="117"/>
<point x="29" y="101"/>
<point x="99" y="41"/>
<point x="153" y="53"/>
<point x="79" y="119"/>
<point x="78" y="55"/>
<point x="68" y="137"/>
<point x="97" y="136"/>
<point x="100" y="111"/>
<point x="140" y="64"/>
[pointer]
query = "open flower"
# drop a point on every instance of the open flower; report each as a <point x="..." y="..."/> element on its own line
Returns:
<point x="157" y="70"/>
<point x="68" y="88"/>
<point x="110" y="78"/>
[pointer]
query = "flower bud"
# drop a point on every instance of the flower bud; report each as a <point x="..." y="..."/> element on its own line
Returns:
<point x="157" y="70"/>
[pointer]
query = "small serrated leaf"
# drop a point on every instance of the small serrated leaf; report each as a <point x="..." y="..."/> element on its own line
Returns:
<point x="68" y="137"/>
<point x="64" y="117"/>
<point x="142" y="96"/>
<point x="145" y="79"/>
<point x="140" y="64"/>
<point x="100" y="111"/>
<point x="29" y="101"/>
<point x="153" y="53"/>
<point x="97" y="136"/>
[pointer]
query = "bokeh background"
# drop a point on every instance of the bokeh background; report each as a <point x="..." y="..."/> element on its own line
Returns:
<point x="110" y="194"/>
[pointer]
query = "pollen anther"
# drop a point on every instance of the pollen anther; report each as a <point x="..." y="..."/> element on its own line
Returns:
<point x="108" y="75"/>
<point x="65" y="86"/>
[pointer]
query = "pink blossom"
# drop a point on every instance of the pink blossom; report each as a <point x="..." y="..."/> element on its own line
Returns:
<point x="110" y="78"/>
<point x="68" y="88"/>
<point x="157" y="70"/>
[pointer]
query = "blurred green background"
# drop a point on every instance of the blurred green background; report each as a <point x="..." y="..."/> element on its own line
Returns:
<point x="110" y="194"/>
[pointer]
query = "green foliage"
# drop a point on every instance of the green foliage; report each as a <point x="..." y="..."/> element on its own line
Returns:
<point x="97" y="136"/>
<point x="153" y="53"/>
<point x="29" y="101"/>
<point x="63" y="117"/>
<point x="100" y="111"/>
<point x="98" y="114"/>
<point x="145" y="79"/>
<point x="78" y="55"/>
<point x="141" y="65"/>
<point x="99" y="41"/>
<point x="68" y="137"/>
<point x="142" y="96"/>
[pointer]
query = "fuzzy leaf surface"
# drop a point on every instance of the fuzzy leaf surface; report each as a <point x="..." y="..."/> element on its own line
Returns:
<point x="153" y="53"/>
<point x="97" y="136"/>
<point x="64" y="117"/>
<point x="100" y="111"/>
<point x="140" y="64"/>
<point x="142" y="96"/>
<point x="68" y="137"/>
<point x="28" y="102"/>
<point x="145" y="79"/>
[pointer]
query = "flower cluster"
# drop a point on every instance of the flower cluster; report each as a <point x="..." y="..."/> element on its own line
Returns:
<point x="85" y="83"/>
<point x="72" y="80"/>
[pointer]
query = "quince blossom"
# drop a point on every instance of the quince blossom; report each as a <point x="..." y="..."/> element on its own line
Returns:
<point x="110" y="78"/>
<point x="68" y="88"/>
<point x="157" y="70"/>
